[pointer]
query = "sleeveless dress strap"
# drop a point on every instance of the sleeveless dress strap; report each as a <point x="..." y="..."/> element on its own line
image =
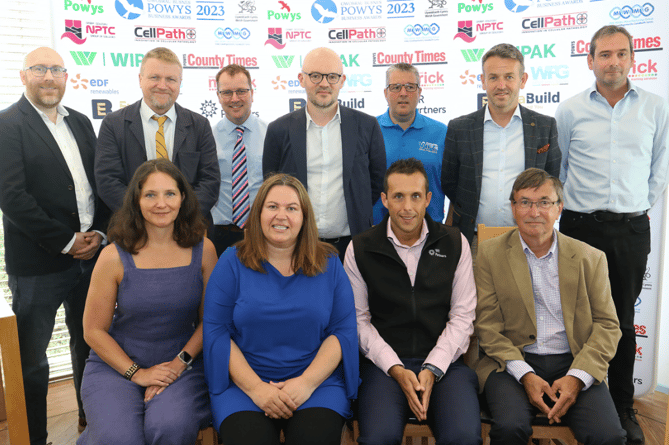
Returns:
<point x="196" y="259"/>
<point x="126" y="258"/>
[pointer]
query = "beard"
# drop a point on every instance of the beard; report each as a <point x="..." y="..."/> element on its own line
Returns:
<point x="46" y="98"/>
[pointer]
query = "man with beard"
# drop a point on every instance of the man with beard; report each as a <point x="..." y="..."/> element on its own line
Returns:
<point x="157" y="127"/>
<point x="336" y="152"/>
<point x="486" y="150"/>
<point x="615" y="137"/>
<point x="52" y="220"/>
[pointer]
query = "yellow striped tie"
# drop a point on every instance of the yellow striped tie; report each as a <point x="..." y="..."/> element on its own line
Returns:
<point x="161" y="150"/>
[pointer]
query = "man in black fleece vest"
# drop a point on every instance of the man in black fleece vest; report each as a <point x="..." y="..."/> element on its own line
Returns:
<point x="414" y="322"/>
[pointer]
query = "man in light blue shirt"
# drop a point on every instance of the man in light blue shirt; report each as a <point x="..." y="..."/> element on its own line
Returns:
<point x="239" y="132"/>
<point x="409" y="134"/>
<point x="614" y="137"/>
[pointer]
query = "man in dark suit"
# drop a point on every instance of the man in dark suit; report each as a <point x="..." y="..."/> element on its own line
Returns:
<point x="52" y="220"/>
<point x="336" y="152"/>
<point x="156" y="126"/>
<point x="486" y="150"/>
<point x="546" y="323"/>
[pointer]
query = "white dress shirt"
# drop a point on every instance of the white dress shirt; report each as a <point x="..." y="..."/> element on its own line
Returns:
<point x="151" y="126"/>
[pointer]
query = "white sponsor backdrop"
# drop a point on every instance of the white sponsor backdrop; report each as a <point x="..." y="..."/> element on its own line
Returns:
<point x="103" y="42"/>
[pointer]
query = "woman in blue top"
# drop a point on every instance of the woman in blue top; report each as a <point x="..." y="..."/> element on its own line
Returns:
<point x="280" y="339"/>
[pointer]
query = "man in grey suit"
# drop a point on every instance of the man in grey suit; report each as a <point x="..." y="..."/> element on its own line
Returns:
<point x="336" y="152"/>
<point x="486" y="150"/>
<point x="156" y="126"/>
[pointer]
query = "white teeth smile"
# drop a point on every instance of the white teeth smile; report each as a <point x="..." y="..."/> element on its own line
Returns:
<point x="280" y="227"/>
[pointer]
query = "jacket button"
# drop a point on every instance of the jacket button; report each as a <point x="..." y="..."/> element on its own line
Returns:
<point x="70" y="187"/>
<point x="532" y="337"/>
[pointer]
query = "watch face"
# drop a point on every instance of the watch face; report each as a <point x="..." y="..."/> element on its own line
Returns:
<point x="185" y="356"/>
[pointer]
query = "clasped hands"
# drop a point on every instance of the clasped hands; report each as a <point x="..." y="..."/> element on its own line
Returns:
<point x="86" y="244"/>
<point x="564" y="393"/>
<point x="280" y="399"/>
<point x="158" y="377"/>
<point x="417" y="389"/>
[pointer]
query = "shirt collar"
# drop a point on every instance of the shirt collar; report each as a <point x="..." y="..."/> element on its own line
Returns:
<point x="59" y="109"/>
<point x="488" y="117"/>
<point x="552" y="250"/>
<point x="229" y="126"/>
<point x="336" y="117"/>
<point x="146" y="113"/>
<point x="391" y="235"/>
<point x="418" y="121"/>
<point x="631" y="89"/>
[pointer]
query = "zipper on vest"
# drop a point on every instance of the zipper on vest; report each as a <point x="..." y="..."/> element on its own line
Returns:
<point x="414" y="343"/>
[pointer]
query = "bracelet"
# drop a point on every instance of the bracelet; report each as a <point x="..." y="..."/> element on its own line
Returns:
<point x="131" y="371"/>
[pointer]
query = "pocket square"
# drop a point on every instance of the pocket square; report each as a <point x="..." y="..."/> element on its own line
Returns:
<point x="543" y="149"/>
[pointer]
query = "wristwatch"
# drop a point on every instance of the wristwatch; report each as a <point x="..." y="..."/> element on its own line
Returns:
<point x="186" y="359"/>
<point x="438" y="373"/>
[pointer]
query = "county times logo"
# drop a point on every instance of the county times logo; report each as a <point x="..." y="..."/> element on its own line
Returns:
<point x="208" y="109"/>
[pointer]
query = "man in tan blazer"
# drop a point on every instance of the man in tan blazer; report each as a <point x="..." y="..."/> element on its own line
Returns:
<point x="546" y="323"/>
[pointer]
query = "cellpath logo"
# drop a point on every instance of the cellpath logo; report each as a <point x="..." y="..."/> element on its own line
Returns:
<point x="283" y="61"/>
<point x="165" y="34"/>
<point x="581" y="48"/>
<point x="283" y="14"/>
<point x="84" y="6"/>
<point x="472" y="55"/>
<point x="357" y="35"/>
<point x="275" y="38"/>
<point x="83" y="58"/>
<point x="73" y="32"/>
<point x="558" y="22"/>
<point x="465" y="31"/>
<point x="415" y="58"/>
<point x="475" y="6"/>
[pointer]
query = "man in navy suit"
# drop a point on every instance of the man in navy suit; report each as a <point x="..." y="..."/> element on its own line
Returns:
<point x="336" y="152"/>
<point x="486" y="150"/>
<point x="156" y="126"/>
<point x="52" y="220"/>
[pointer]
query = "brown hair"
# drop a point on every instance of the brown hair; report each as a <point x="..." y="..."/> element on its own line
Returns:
<point x="232" y="70"/>
<point x="533" y="178"/>
<point x="127" y="227"/>
<point x="608" y="31"/>
<point x="310" y="255"/>
<point x="407" y="166"/>
<point x="164" y="54"/>
<point x="505" y="51"/>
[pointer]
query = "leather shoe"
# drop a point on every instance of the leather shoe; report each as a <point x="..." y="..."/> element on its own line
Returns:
<point x="630" y="424"/>
<point x="82" y="424"/>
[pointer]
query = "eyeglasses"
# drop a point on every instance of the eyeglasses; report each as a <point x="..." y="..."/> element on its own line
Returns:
<point x="397" y="87"/>
<point x="542" y="205"/>
<point x="241" y="92"/>
<point x="316" y="78"/>
<point x="40" y="70"/>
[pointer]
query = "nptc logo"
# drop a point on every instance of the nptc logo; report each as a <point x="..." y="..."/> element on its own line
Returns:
<point x="465" y="31"/>
<point x="73" y="31"/>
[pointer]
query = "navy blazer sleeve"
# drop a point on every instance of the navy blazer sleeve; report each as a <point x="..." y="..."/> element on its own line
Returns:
<point x="207" y="177"/>
<point x="377" y="162"/>
<point x="110" y="176"/>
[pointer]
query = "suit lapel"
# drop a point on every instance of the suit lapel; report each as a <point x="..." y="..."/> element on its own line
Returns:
<point x="477" y="138"/>
<point x="298" y="141"/>
<point x="136" y="127"/>
<point x="86" y="155"/>
<point x="521" y="274"/>
<point x="569" y="276"/>
<point x="181" y="130"/>
<point x="348" y="142"/>
<point x="36" y="123"/>
<point x="529" y="137"/>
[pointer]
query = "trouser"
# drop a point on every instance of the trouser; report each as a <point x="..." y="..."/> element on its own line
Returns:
<point x="35" y="301"/>
<point x="626" y="244"/>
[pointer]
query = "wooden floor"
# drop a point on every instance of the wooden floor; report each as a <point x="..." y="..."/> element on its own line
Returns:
<point x="62" y="413"/>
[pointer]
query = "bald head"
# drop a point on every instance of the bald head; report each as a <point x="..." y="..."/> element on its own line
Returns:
<point x="320" y="57"/>
<point x="322" y="96"/>
<point x="42" y="89"/>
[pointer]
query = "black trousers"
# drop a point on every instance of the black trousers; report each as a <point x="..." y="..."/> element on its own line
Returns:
<point x="593" y="417"/>
<point x="224" y="237"/>
<point x="626" y="244"/>
<point x="309" y="426"/>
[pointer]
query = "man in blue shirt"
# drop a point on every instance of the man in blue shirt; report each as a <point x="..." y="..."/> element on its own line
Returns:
<point x="239" y="136"/>
<point x="409" y="134"/>
<point x="614" y="137"/>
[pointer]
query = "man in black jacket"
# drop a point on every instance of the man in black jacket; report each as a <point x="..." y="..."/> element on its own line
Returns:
<point x="414" y="322"/>
<point x="53" y="221"/>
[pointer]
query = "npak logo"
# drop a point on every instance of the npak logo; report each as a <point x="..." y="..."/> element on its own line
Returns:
<point x="73" y="32"/>
<point x="465" y="31"/>
<point x="83" y="58"/>
<point x="275" y="38"/>
<point x="472" y="55"/>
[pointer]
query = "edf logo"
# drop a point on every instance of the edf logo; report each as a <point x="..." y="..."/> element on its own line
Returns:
<point x="99" y="82"/>
<point x="550" y="72"/>
<point x="359" y="80"/>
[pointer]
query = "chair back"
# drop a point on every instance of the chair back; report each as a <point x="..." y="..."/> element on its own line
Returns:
<point x="485" y="233"/>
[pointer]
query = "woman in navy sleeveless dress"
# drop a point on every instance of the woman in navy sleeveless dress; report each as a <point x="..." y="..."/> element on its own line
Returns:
<point x="144" y="380"/>
<point x="280" y="339"/>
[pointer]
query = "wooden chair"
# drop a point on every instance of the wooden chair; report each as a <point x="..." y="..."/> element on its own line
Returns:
<point x="207" y="436"/>
<point x="541" y="429"/>
<point x="15" y="402"/>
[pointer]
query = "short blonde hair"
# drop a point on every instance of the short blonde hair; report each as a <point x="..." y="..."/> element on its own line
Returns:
<point x="161" y="53"/>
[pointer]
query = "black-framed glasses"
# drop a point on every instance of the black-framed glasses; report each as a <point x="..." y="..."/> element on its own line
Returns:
<point x="241" y="92"/>
<point x="544" y="204"/>
<point x="40" y="70"/>
<point x="397" y="87"/>
<point x="316" y="78"/>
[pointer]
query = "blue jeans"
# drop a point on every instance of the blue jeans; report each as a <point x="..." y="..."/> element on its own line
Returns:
<point x="35" y="300"/>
